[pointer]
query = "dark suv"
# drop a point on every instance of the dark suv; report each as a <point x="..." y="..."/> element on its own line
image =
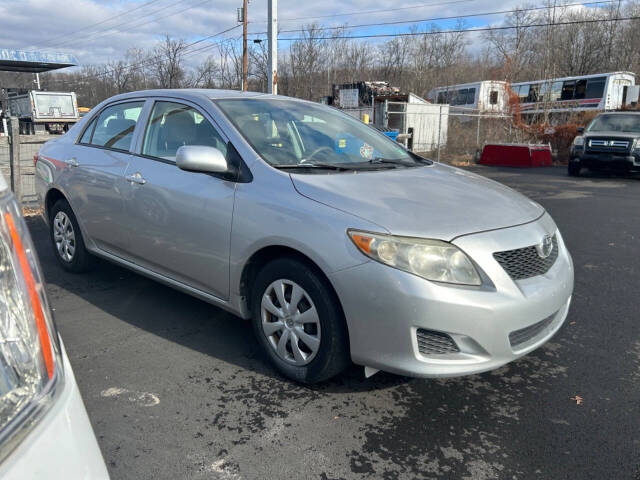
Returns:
<point x="610" y="142"/>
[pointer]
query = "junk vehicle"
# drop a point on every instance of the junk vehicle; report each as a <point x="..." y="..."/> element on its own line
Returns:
<point x="596" y="92"/>
<point x="40" y="112"/>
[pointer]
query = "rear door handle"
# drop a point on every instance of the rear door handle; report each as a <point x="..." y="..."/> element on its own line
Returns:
<point x="136" y="178"/>
<point x="72" y="162"/>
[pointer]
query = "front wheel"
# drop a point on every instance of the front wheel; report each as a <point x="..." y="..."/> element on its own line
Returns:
<point x="574" y="168"/>
<point x="298" y="321"/>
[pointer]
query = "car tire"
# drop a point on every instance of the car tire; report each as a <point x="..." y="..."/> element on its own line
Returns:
<point x="312" y="362"/>
<point x="66" y="239"/>
<point x="573" y="169"/>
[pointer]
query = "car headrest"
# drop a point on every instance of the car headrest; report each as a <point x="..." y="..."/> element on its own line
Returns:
<point x="180" y="127"/>
<point x="120" y="126"/>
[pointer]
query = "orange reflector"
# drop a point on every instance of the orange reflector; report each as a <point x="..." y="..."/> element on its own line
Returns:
<point x="362" y="242"/>
<point x="36" y="305"/>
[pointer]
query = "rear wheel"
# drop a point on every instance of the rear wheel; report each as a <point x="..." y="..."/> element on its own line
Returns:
<point x="298" y="321"/>
<point x="68" y="244"/>
<point x="574" y="168"/>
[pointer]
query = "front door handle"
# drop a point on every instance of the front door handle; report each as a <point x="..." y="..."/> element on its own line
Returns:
<point x="136" y="178"/>
<point x="72" y="162"/>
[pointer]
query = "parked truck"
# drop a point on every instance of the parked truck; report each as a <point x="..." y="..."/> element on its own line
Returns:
<point x="40" y="112"/>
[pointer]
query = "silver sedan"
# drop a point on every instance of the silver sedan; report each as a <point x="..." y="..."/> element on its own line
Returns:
<point x="339" y="245"/>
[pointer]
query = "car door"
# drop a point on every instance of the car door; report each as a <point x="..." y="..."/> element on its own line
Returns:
<point x="182" y="219"/>
<point x="95" y="183"/>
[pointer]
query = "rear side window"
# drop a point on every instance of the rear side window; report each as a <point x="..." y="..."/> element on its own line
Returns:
<point x="173" y="125"/>
<point x="86" y="136"/>
<point x="116" y="125"/>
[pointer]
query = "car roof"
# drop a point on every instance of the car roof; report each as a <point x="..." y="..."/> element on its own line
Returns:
<point x="190" y="93"/>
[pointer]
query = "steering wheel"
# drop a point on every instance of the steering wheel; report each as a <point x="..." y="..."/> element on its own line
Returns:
<point x="315" y="152"/>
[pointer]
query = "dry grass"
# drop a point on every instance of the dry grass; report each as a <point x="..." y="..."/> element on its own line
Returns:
<point x="31" y="211"/>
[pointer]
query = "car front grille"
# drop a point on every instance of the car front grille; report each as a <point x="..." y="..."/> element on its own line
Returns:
<point x="609" y="145"/>
<point x="435" y="343"/>
<point x="522" y="336"/>
<point x="525" y="262"/>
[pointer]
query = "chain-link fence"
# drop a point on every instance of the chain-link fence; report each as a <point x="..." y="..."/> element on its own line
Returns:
<point x="16" y="161"/>
<point x="457" y="136"/>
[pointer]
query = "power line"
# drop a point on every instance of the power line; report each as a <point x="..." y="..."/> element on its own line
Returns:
<point x="105" y="20"/>
<point x="466" y="30"/>
<point x="154" y="60"/>
<point x="366" y="12"/>
<point x="108" y="30"/>
<point x="433" y="19"/>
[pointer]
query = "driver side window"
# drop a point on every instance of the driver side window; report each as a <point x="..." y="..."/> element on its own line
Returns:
<point x="173" y="125"/>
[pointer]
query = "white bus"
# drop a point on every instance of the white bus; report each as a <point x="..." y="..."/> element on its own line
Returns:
<point x="489" y="96"/>
<point x="597" y="92"/>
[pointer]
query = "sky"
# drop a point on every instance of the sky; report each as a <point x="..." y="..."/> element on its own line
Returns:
<point x="87" y="29"/>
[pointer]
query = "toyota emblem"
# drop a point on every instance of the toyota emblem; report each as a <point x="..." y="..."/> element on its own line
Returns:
<point x="545" y="247"/>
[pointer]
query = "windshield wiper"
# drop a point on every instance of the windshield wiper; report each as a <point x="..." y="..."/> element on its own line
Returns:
<point x="322" y="166"/>
<point x="391" y="161"/>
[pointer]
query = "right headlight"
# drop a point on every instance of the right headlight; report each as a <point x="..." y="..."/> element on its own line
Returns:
<point x="431" y="259"/>
<point x="578" y="141"/>
<point x="30" y="363"/>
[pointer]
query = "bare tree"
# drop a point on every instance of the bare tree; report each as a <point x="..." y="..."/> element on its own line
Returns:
<point x="230" y="65"/>
<point x="168" y="66"/>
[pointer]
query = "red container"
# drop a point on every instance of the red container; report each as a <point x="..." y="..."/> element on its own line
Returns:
<point x="516" y="155"/>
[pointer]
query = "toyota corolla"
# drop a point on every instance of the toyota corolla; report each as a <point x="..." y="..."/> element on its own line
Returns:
<point x="338" y="243"/>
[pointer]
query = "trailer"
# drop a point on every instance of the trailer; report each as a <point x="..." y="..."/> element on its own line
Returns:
<point x="39" y="112"/>
<point x="422" y="126"/>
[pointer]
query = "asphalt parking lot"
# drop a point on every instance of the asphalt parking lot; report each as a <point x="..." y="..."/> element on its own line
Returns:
<point x="176" y="388"/>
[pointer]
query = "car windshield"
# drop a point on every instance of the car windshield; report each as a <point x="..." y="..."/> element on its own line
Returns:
<point x="303" y="135"/>
<point x="615" y="123"/>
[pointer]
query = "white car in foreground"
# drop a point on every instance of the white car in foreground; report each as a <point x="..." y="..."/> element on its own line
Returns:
<point x="44" y="428"/>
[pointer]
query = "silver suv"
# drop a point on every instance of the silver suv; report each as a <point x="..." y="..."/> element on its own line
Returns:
<point x="335" y="241"/>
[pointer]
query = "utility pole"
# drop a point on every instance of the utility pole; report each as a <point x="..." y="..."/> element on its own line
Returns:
<point x="272" y="33"/>
<point x="245" y="53"/>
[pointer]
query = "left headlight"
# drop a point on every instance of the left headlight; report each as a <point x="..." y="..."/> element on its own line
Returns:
<point x="578" y="141"/>
<point x="430" y="259"/>
<point x="30" y="362"/>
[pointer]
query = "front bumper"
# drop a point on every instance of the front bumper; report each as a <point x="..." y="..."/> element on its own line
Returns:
<point x="62" y="445"/>
<point x="385" y="307"/>
<point x="605" y="161"/>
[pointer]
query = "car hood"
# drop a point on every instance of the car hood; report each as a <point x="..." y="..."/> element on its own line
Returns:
<point x="612" y="134"/>
<point x="433" y="202"/>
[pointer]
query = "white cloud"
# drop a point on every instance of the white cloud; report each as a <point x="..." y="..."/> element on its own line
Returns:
<point x="66" y="25"/>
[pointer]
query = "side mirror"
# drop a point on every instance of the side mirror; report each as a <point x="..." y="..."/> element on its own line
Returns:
<point x="198" y="158"/>
<point x="580" y="130"/>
